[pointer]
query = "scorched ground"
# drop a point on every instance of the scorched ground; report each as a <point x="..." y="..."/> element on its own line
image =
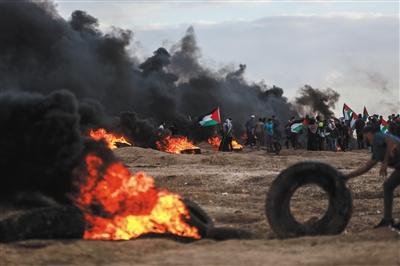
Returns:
<point x="231" y="187"/>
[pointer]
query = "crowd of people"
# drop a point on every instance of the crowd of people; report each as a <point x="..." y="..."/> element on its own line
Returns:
<point x="311" y="133"/>
<point x="263" y="132"/>
<point x="314" y="133"/>
<point x="321" y="134"/>
<point x="336" y="134"/>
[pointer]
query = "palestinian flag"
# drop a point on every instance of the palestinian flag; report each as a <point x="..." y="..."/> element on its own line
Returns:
<point x="353" y="120"/>
<point x="297" y="127"/>
<point x="365" y="114"/>
<point x="384" y="126"/>
<point x="347" y="112"/>
<point x="211" y="119"/>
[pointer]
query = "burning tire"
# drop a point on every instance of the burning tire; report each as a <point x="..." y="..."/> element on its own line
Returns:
<point x="43" y="223"/>
<point x="198" y="218"/>
<point x="336" y="217"/>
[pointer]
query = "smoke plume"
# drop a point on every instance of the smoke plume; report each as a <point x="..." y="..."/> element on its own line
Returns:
<point x="41" y="52"/>
<point x="317" y="101"/>
<point x="41" y="142"/>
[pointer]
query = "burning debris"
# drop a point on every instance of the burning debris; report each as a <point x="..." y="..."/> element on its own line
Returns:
<point x="236" y="146"/>
<point x="112" y="140"/>
<point x="121" y="206"/>
<point x="52" y="157"/>
<point x="216" y="142"/>
<point x="177" y="145"/>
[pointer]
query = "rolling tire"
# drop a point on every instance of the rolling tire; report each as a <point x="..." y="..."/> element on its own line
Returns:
<point x="198" y="218"/>
<point x="339" y="211"/>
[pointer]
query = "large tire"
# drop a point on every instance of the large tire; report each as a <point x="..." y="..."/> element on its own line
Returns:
<point x="288" y="181"/>
<point x="198" y="218"/>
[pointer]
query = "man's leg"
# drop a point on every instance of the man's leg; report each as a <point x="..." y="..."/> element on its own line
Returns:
<point x="230" y="147"/>
<point x="293" y="140"/>
<point x="388" y="188"/>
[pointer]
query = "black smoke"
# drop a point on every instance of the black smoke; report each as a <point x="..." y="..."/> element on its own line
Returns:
<point x="42" y="145"/>
<point x="40" y="142"/>
<point x="312" y="100"/>
<point x="59" y="78"/>
<point x="41" y="52"/>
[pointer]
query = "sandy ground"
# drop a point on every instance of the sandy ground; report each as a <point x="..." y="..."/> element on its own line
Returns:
<point x="232" y="187"/>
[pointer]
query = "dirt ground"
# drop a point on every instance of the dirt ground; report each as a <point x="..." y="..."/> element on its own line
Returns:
<point x="232" y="187"/>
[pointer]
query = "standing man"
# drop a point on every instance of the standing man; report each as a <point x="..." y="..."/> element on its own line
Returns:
<point x="259" y="133"/>
<point x="385" y="149"/>
<point x="250" y="127"/>
<point x="277" y="132"/>
<point x="289" y="134"/>
<point x="227" y="129"/>
<point x="312" y="135"/>
<point x="269" y="129"/>
<point x="359" y="125"/>
<point x="333" y="135"/>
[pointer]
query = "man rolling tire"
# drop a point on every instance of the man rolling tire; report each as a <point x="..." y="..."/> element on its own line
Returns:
<point x="385" y="149"/>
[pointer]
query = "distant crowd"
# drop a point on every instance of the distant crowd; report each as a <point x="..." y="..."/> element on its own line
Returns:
<point x="311" y="133"/>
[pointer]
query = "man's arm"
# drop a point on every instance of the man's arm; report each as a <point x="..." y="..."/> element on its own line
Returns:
<point x="362" y="170"/>
<point x="390" y="151"/>
<point x="384" y="164"/>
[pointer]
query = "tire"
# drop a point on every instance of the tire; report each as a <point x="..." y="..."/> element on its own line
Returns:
<point x="43" y="223"/>
<point x="224" y="233"/>
<point x="198" y="218"/>
<point x="288" y="181"/>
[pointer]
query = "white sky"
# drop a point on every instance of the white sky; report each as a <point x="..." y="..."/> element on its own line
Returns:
<point x="351" y="46"/>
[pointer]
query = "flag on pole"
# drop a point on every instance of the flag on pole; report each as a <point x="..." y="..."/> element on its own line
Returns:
<point x="365" y="114"/>
<point x="353" y="120"/>
<point x="298" y="126"/>
<point x="347" y="112"/>
<point x="384" y="126"/>
<point x="211" y="119"/>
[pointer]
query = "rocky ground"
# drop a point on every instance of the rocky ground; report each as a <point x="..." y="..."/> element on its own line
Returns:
<point x="232" y="187"/>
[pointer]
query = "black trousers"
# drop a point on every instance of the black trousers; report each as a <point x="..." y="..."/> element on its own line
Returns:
<point x="388" y="188"/>
<point x="360" y="141"/>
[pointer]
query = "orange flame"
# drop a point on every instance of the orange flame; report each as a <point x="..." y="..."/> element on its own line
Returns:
<point x="236" y="145"/>
<point x="214" y="141"/>
<point x="110" y="138"/>
<point x="175" y="144"/>
<point x="130" y="204"/>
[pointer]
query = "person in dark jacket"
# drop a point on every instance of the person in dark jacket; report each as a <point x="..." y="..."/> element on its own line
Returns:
<point x="250" y="128"/>
<point x="359" y="126"/>
<point x="312" y="135"/>
<point x="227" y="136"/>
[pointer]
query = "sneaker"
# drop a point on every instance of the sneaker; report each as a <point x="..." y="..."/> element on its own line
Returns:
<point x="384" y="223"/>
<point x="396" y="226"/>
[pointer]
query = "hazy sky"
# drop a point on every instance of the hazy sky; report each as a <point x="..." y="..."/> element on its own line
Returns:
<point x="351" y="46"/>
